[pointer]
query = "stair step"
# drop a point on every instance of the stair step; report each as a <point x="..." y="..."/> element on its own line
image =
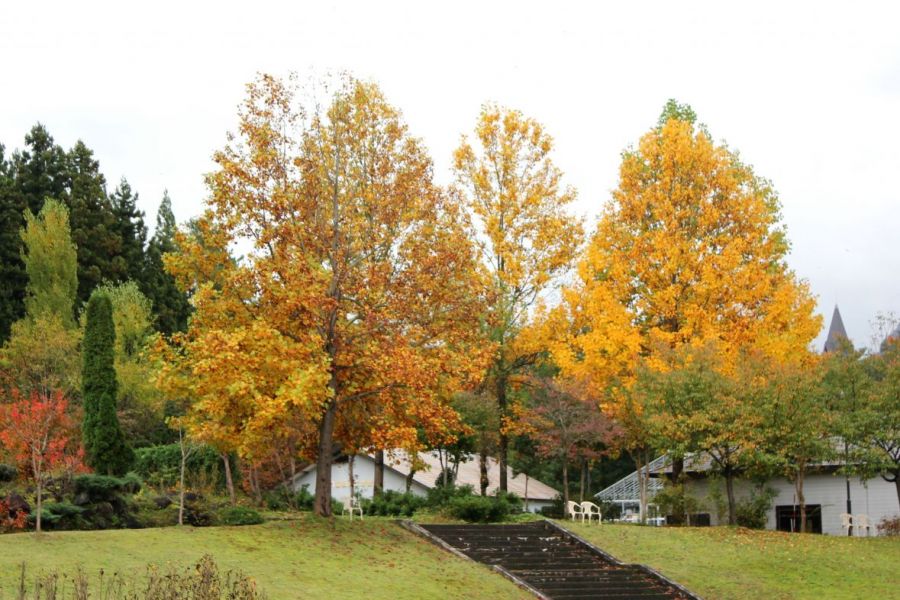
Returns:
<point x="558" y="565"/>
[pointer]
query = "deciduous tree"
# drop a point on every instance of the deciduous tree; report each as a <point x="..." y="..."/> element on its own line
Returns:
<point x="38" y="432"/>
<point x="354" y="305"/>
<point x="525" y="236"/>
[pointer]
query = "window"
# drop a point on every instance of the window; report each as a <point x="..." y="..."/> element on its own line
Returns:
<point x="787" y="518"/>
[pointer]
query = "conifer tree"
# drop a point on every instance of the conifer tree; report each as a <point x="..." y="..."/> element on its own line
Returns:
<point x="170" y="304"/>
<point x="105" y="448"/>
<point x="93" y="223"/>
<point x="131" y="230"/>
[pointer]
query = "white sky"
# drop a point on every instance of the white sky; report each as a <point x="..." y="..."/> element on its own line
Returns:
<point x="809" y="93"/>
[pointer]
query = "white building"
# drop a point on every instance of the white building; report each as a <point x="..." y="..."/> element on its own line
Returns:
<point x="397" y="468"/>
<point x="824" y="490"/>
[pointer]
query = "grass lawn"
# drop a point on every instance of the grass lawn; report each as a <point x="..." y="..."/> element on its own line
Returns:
<point x="726" y="563"/>
<point x="305" y="558"/>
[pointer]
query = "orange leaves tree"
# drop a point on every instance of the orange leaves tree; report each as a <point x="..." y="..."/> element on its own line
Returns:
<point x="526" y="239"/>
<point x="689" y="250"/>
<point x="351" y="316"/>
<point x="39" y="435"/>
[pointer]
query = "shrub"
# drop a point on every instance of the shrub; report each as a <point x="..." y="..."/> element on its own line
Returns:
<point x="304" y="498"/>
<point x="479" y="509"/>
<point x="674" y="501"/>
<point x="889" y="526"/>
<point x="7" y="473"/>
<point x="100" y="488"/>
<point x="440" y="496"/>
<point x="555" y="510"/>
<point x="394" y="504"/>
<point x="751" y="513"/>
<point x="239" y="515"/>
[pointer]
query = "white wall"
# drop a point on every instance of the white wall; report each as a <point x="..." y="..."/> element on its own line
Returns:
<point x="876" y="498"/>
<point x="364" y="478"/>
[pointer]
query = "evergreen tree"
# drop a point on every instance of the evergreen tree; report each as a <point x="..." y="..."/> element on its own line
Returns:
<point x="32" y="175"/>
<point x="10" y="263"/>
<point x="104" y="444"/>
<point x="93" y="224"/>
<point x="170" y="304"/>
<point x="130" y="229"/>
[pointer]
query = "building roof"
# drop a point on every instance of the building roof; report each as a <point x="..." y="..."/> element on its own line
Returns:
<point x="470" y="474"/>
<point x="627" y="488"/>
<point x="836" y="332"/>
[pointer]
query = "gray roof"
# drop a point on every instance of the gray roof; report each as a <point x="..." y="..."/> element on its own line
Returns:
<point x="836" y="332"/>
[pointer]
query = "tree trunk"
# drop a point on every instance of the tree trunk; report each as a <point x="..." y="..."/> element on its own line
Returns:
<point x="181" y="476"/>
<point x="526" y="492"/>
<point x="589" y="480"/>
<point x="642" y="490"/>
<point x="565" y="466"/>
<point x="229" y="481"/>
<point x="897" y="484"/>
<point x="37" y="469"/>
<point x="581" y="481"/>
<point x="409" y="479"/>
<point x="350" y="460"/>
<point x="323" y="461"/>
<point x="378" y="482"/>
<point x="801" y="500"/>
<point x="732" y="508"/>
<point x="483" y="469"/>
<point x="504" y="440"/>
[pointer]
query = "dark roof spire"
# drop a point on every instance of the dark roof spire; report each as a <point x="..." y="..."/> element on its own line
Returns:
<point x="836" y="332"/>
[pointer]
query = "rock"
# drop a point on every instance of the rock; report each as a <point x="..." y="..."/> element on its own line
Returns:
<point x="104" y="509"/>
<point x="81" y="499"/>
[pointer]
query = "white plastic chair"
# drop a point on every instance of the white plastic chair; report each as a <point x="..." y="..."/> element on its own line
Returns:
<point x="591" y="510"/>
<point x="351" y="507"/>
<point x="846" y="522"/>
<point x="574" y="509"/>
<point x="862" y="523"/>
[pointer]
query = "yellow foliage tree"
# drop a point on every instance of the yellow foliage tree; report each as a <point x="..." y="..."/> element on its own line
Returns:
<point x="690" y="250"/>
<point x="526" y="238"/>
<point x="351" y="317"/>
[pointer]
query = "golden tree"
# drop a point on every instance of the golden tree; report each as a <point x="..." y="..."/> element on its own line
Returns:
<point x="353" y="313"/>
<point x="690" y="250"/>
<point x="526" y="238"/>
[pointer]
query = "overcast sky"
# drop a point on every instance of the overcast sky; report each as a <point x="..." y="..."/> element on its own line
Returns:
<point x="808" y="93"/>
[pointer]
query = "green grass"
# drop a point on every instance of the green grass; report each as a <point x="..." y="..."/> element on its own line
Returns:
<point x="304" y="558"/>
<point x="741" y="564"/>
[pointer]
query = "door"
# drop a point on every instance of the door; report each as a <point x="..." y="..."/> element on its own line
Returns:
<point x="787" y="518"/>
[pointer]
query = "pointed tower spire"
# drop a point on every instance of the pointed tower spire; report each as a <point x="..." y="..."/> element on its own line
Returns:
<point x="836" y="332"/>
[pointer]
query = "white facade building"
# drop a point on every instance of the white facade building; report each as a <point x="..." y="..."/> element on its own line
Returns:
<point x="397" y="468"/>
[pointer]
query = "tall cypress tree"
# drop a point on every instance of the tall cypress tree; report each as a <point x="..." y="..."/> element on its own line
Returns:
<point x="170" y="304"/>
<point x="104" y="443"/>
<point x="131" y="230"/>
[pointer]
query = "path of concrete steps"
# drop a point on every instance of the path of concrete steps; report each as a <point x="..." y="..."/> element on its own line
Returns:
<point x="553" y="562"/>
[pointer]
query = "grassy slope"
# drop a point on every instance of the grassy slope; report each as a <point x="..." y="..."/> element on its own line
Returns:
<point x="308" y="558"/>
<point x="725" y="563"/>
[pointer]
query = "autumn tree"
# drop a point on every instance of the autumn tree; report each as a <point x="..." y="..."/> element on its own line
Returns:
<point x="104" y="444"/>
<point x="38" y="432"/>
<point x="689" y="250"/>
<point x="526" y="239"/>
<point x="565" y="421"/>
<point x="354" y="304"/>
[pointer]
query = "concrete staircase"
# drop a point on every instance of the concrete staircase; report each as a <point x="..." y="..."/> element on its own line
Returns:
<point x="552" y="562"/>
